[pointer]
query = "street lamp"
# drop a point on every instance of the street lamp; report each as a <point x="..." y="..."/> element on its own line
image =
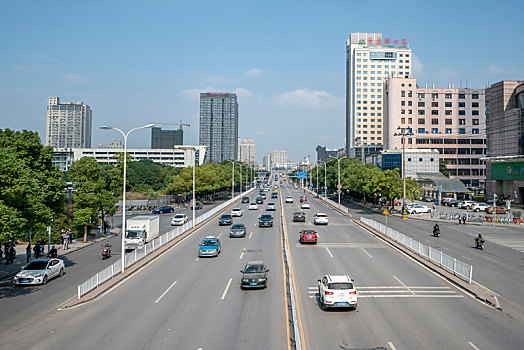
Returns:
<point x="193" y="162"/>
<point x="105" y="127"/>
<point x="233" y="177"/>
<point x="339" y="184"/>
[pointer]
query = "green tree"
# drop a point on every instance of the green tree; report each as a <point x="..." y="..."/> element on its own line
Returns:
<point x="443" y="168"/>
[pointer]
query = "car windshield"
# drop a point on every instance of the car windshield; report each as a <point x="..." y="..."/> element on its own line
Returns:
<point x="299" y="213"/>
<point x="342" y="285"/>
<point x="269" y="204"/>
<point x="253" y="204"/>
<point x="237" y="226"/>
<point x="226" y="217"/>
<point x="254" y="268"/>
<point x="36" y="265"/>
<point x="308" y="232"/>
<point x="321" y="216"/>
<point x="266" y="217"/>
<point x="209" y="243"/>
<point x="134" y="234"/>
<point x="179" y="216"/>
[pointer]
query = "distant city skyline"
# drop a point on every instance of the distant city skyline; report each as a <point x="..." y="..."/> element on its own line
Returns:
<point x="138" y="65"/>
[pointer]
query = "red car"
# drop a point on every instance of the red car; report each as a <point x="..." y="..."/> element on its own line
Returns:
<point x="303" y="199"/>
<point x="308" y="236"/>
<point x="395" y="202"/>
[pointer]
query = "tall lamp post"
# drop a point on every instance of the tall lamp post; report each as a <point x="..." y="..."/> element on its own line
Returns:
<point x="105" y="127"/>
<point x="233" y="177"/>
<point x="339" y="184"/>
<point x="193" y="163"/>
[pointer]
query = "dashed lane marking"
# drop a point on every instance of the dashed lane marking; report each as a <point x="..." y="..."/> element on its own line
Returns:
<point x="251" y="234"/>
<point x="392" y="346"/>
<point x="165" y="292"/>
<point x="225" y="290"/>
<point x="346" y="245"/>
<point x="331" y="255"/>
<point x="473" y="345"/>
<point x="398" y="292"/>
<point x="365" y="251"/>
<point x="197" y="259"/>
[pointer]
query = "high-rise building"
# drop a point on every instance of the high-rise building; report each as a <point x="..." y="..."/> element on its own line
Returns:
<point x="166" y="138"/>
<point x="247" y="151"/>
<point x="447" y="119"/>
<point x="68" y="124"/>
<point x="266" y="161"/>
<point x="324" y="153"/>
<point x="219" y="126"/>
<point x="369" y="60"/>
<point x="279" y="159"/>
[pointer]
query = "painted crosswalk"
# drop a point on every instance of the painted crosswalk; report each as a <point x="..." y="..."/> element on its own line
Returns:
<point x="398" y="292"/>
<point x="511" y="241"/>
<point x="344" y="245"/>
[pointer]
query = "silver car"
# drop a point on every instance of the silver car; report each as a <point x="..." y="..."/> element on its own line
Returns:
<point x="40" y="271"/>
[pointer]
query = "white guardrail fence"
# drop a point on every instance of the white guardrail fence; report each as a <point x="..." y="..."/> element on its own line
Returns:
<point x="138" y="254"/>
<point x="456" y="267"/>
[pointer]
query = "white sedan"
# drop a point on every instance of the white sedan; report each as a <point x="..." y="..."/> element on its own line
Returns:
<point x="179" y="220"/>
<point x="305" y="205"/>
<point x="253" y="206"/>
<point x="320" y="219"/>
<point x="40" y="271"/>
<point x="236" y="212"/>
<point x="419" y="209"/>
<point x="289" y="199"/>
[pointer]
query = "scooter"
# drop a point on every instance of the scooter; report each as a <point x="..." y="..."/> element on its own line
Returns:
<point x="479" y="244"/>
<point x="106" y="252"/>
<point x="436" y="233"/>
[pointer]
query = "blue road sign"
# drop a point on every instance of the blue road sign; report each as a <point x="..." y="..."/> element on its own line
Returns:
<point x="302" y="175"/>
<point x="311" y="185"/>
<point x="325" y="187"/>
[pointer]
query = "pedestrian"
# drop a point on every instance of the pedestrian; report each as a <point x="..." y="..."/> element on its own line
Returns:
<point x="464" y="219"/>
<point x="70" y="236"/>
<point x="53" y="253"/>
<point x="459" y="219"/>
<point x="65" y="240"/>
<point x="433" y="206"/>
<point x="42" y="245"/>
<point x="36" y="249"/>
<point x="28" y="253"/>
<point x="10" y="253"/>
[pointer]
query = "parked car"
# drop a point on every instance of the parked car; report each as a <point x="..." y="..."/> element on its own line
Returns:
<point x="253" y="206"/>
<point x="308" y="236"/>
<point x="497" y="210"/>
<point x="179" y="220"/>
<point x="198" y="205"/>
<point x="453" y="202"/>
<point x="164" y="209"/>
<point x="271" y="206"/>
<point x="265" y="220"/>
<point x="236" y="212"/>
<point x="480" y="207"/>
<point x="289" y="199"/>
<point x="299" y="216"/>
<point x="426" y="199"/>
<point x="245" y="199"/>
<point x="225" y="219"/>
<point x="394" y="202"/>
<point x="445" y="201"/>
<point x="237" y="230"/>
<point x="419" y="209"/>
<point x="254" y="275"/>
<point x="337" y="291"/>
<point x="210" y="246"/>
<point x="40" y="271"/>
<point x="320" y="219"/>
<point x="466" y="205"/>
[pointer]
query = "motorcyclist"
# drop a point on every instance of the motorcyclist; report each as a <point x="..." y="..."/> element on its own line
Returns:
<point x="478" y="240"/>
<point x="53" y="253"/>
<point x="436" y="229"/>
<point x="108" y="247"/>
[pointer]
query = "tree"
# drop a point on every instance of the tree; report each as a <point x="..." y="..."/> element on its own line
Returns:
<point x="443" y="168"/>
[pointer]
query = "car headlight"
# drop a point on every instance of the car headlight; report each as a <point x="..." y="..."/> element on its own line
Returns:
<point x="261" y="279"/>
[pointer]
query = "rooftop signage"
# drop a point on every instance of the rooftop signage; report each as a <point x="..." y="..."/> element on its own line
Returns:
<point x="387" y="43"/>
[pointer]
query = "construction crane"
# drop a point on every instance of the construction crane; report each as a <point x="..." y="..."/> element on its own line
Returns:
<point x="180" y="124"/>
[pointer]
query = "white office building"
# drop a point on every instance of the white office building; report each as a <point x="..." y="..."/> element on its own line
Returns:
<point x="247" y="151"/>
<point x="278" y="159"/>
<point x="68" y="124"/>
<point x="369" y="60"/>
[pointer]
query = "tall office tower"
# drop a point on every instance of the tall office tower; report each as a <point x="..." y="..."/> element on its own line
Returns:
<point x="68" y="125"/>
<point x="166" y="138"/>
<point x="266" y="161"/>
<point x="369" y="60"/>
<point x="247" y="151"/>
<point x="278" y="159"/>
<point x="219" y="126"/>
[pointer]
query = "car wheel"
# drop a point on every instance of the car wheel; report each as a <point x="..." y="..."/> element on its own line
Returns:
<point x="324" y="307"/>
<point x="62" y="272"/>
<point x="44" y="281"/>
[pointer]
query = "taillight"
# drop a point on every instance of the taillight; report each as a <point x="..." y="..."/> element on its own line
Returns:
<point x="329" y="293"/>
<point x="353" y="292"/>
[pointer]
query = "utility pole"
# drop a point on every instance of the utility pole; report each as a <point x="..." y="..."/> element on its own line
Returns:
<point x="403" y="133"/>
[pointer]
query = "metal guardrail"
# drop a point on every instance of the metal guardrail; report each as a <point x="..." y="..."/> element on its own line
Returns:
<point x="138" y="254"/>
<point x="456" y="267"/>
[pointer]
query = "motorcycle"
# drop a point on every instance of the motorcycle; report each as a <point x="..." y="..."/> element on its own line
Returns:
<point x="436" y="233"/>
<point x="479" y="244"/>
<point x="106" y="252"/>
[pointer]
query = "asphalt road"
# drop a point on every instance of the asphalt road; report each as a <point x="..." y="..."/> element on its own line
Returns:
<point x="401" y="305"/>
<point x="20" y="306"/>
<point x="180" y="301"/>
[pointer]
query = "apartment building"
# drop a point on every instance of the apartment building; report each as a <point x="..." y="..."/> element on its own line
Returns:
<point x="68" y="124"/>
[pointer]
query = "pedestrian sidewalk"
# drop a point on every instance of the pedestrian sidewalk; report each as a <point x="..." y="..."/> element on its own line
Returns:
<point x="10" y="270"/>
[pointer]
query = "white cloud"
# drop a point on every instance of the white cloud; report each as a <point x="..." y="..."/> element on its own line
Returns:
<point x="73" y="77"/>
<point x="418" y="66"/>
<point x="253" y="72"/>
<point x="494" y="69"/>
<point x="308" y="98"/>
<point x="242" y="92"/>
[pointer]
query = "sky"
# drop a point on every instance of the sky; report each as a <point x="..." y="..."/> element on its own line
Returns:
<point x="136" y="62"/>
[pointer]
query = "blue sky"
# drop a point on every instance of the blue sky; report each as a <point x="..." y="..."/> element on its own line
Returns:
<point x="136" y="62"/>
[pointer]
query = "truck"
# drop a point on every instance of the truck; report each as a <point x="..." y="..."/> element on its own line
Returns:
<point x="141" y="230"/>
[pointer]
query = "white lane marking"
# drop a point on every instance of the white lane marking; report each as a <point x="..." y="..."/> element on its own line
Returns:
<point x="165" y="292"/>
<point x="199" y="349"/>
<point x="331" y="255"/>
<point x="428" y="240"/>
<point x="473" y="345"/>
<point x="365" y="251"/>
<point x="219" y="235"/>
<point x="445" y="248"/>
<point x="392" y="346"/>
<point x="251" y="234"/>
<point x="346" y="234"/>
<point x="402" y="283"/>
<point x="225" y="290"/>
<point x="465" y="257"/>
<point x="255" y="224"/>
<point x="241" y="255"/>
<point x="197" y="259"/>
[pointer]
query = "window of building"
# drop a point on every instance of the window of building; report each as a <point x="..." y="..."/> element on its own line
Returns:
<point x="475" y="96"/>
<point x="434" y="121"/>
<point x="402" y="120"/>
<point x="448" y="104"/>
<point x="421" y="95"/>
<point x="462" y="104"/>
<point x="463" y="141"/>
<point x="475" y="112"/>
<point x="475" y="104"/>
<point x="421" y="104"/>
<point x="403" y="93"/>
<point x="462" y="131"/>
<point x="434" y="104"/>
<point x="402" y="103"/>
<point x="421" y="121"/>
<point x="450" y="151"/>
<point x="462" y="95"/>
<point x="447" y="95"/>
<point x="410" y="93"/>
<point x="422" y="141"/>
<point x="475" y="131"/>
<point x="448" y="131"/>
<point x="421" y="130"/>
<point x="436" y="141"/>
<point x="450" y="141"/>
<point x="410" y="111"/>
<point x="447" y="112"/>
<point x="462" y="112"/>
<point x="464" y="151"/>
<point x="421" y="112"/>
<point x="434" y="130"/>
<point x="410" y="103"/>
<point x="475" y="121"/>
<point x="410" y="120"/>
<point x="434" y="112"/>
<point x="462" y="121"/>
<point x="434" y="95"/>
<point x="402" y="111"/>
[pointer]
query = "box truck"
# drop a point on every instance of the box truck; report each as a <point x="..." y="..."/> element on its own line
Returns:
<point x="141" y="230"/>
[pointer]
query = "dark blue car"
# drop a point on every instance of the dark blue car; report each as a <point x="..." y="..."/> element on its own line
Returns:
<point x="164" y="209"/>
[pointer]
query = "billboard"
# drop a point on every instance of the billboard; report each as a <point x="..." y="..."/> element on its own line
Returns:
<point x="302" y="175"/>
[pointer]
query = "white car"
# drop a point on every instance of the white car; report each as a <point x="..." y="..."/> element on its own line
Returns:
<point x="236" y="212"/>
<point x="480" y="207"/>
<point x="419" y="209"/>
<point x="40" y="271"/>
<point x="337" y="291"/>
<point x="305" y="205"/>
<point x="253" y="206"/>
<point x="320" y="219"/>
<point x="289" y="199"/>
<point x="179" y="220"/>
<point x="466" y="204"/>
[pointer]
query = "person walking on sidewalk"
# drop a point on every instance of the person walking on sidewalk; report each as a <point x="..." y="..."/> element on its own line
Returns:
<point x="28" y="253"/>
<point x="70" y="235"/>
<point x="65" y="240"/>
<point x="36" y="249"/>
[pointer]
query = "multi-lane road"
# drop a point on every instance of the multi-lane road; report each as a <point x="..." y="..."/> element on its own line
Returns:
<point x="180" y="301"/>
